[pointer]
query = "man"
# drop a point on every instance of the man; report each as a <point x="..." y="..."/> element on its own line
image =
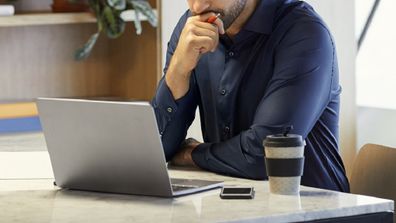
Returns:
<point x="260" y="67"/>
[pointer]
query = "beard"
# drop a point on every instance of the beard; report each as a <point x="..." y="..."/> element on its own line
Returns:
<point x="228" y="16"/>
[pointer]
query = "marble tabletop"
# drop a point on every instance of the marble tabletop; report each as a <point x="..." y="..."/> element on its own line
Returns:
<point x="39" y="201"/>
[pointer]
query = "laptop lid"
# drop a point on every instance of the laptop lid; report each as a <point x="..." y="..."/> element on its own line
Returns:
<point x="105" y="146"/>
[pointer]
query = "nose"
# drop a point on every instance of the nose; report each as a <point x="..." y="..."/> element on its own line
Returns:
<point x="200" y="6"/>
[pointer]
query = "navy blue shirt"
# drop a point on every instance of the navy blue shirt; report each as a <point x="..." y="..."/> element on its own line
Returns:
<point x="279" y="70"/>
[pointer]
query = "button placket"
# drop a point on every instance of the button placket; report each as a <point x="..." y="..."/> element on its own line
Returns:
<point x="226" y="130"/>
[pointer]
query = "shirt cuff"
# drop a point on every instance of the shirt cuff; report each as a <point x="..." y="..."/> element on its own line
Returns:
<point x="164" y="99"/>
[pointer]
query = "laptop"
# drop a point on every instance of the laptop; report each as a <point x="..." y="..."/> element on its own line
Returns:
<point x="109" y="146"/>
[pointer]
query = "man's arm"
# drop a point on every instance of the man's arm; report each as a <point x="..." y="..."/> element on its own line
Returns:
<point x="176" y="99"/>
<point x="197" y="37"/>
<point x="296" y="95"/>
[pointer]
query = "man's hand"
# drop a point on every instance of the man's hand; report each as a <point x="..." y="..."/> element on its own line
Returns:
<point x="183" y="157"/>
<point x="198" y="37"/>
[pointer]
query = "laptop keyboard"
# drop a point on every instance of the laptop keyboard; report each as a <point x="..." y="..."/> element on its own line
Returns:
<point x="179" y="187"/>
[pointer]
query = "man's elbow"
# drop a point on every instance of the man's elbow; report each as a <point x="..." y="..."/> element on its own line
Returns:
<point x="255" y="171"/>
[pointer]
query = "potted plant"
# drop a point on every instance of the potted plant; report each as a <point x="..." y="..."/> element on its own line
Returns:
<point x="109" y="18"/>
<point x="109" y="15"/>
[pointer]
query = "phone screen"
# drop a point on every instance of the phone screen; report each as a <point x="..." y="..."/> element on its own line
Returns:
<point x="237" y="190"/>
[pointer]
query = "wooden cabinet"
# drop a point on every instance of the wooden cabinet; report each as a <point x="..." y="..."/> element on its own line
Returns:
<point x="36" y="57"/>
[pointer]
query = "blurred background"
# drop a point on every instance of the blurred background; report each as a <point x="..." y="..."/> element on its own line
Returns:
<point x="375" y="73"/>
<point x="131" y="66"/>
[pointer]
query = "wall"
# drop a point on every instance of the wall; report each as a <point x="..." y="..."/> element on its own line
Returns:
<point x="376" y="125"/>
<point x="339" y="15"/>
<point x="376" y="75"/>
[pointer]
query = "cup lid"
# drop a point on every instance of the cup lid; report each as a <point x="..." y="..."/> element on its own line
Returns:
<point x="284" y="140"/>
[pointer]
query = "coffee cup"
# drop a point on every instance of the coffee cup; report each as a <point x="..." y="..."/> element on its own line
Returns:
<point x="284" y="161"/>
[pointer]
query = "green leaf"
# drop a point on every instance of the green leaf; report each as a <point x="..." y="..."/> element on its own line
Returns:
<point x="113" y="23"/>
<point x="85" y="51"/>
<point x="110" y="22"/>
<point x="117" y="4"/>
<point x="138" y="24"/>
<point x="144" y="7"/>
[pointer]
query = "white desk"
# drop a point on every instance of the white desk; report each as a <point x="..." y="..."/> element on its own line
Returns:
<point x="39" y="201"/>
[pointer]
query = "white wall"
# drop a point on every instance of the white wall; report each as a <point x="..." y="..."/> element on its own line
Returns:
<point x="376" y="75"/>
<point x="339" y="15"/>
<point x="171" y="13"/>
<point x="376" y="125"/>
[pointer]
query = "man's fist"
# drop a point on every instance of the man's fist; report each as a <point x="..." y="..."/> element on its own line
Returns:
<point x="183" y="157"/>
<point x="198" y="37"/>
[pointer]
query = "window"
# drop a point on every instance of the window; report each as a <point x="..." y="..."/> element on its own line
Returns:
<point x="376" y="74"/>
<point x="376" y="70"/>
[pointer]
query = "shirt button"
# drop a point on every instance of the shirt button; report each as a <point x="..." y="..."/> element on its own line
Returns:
<point x="226" y="129"/>
<point x="170" y="110"/>
<point x="231" y="53"/>
<point x="223" y="92"/>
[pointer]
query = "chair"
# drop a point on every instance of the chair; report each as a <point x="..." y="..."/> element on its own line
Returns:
<point x="374" y="172"/>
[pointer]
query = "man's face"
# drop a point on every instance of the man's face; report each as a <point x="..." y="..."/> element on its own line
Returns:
<point x="229" y="9"/>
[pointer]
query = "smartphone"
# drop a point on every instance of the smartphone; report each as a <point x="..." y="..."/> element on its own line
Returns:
<point x="232" y="192"/>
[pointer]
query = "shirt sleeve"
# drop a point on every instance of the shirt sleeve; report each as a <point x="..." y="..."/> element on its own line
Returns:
<point x="297" y="95"/>
<point x="174" y="116"/>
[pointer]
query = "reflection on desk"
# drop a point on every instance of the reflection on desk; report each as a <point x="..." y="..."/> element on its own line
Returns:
<point x="51" y="204"/>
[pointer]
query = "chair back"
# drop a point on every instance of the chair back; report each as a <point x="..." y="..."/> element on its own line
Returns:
<point x="374" y="172"/>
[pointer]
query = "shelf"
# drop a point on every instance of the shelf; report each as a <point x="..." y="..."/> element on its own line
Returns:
<point x="49" y="18"/>
<point x="37" y="48"/>
<point x="32" y="19"/>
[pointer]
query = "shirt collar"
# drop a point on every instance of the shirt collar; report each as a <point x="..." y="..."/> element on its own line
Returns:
<point x="262" y="19"/>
